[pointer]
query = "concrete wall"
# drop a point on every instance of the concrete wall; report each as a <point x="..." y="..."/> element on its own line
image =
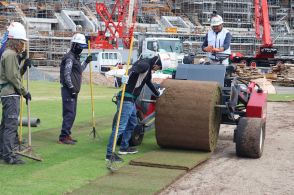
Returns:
<point x="43" y="24"/>
<point x="87" y="23"/>
<point x="69" y="22"/>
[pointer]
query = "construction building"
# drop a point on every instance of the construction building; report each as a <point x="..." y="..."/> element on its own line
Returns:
<point x="52" y="23"/>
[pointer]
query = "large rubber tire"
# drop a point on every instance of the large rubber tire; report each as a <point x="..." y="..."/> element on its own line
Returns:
<point x="250" y="137"/>
<point x="138" y="134"/>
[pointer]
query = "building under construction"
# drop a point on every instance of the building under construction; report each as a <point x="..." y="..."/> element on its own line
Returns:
<point x="51" y="23"/>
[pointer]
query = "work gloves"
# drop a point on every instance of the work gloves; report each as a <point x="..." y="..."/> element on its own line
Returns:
<point x="89" y="59"/>
<point x="73" y="92"/>
<point x="28" y="97"/>
<point x="161" y="91"/>
<point x="23" y="55"/>
<point x="125" y="79"/>
<point x="27" y="63"/>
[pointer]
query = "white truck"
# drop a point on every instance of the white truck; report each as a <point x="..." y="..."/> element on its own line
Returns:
<point x="103" y="61"/>
<point x="169" y="49"/>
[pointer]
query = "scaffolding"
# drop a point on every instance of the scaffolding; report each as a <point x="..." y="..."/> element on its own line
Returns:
<point x="49" y="34"/>
<point x="8" y="14"/>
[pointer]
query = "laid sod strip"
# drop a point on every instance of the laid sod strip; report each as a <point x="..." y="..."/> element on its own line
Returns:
<point x="172" y="159"/>
<point x="280" y="97"/>
<point x="132" y="180"/>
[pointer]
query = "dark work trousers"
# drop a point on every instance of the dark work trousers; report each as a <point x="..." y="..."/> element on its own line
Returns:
<point x="69" y="109"/>
<point x="9" y="125"/>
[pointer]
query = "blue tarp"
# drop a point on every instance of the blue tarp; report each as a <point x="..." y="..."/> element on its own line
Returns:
<point x="3" y="43"/>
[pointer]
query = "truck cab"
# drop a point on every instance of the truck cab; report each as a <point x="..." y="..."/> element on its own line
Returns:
<point x="152" y="46"/>
<point x="103" y="61"/>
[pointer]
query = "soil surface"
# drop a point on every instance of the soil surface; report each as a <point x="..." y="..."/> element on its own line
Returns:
<point x="224" y="173"/>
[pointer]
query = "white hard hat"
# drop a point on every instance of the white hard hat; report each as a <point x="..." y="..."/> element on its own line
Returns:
<point x="17" y="31"/>
<point x="216" y="20"/>
<point x="79" y="38"/>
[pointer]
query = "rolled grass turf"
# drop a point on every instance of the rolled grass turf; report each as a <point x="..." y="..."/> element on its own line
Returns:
<point x="187" y="116"/>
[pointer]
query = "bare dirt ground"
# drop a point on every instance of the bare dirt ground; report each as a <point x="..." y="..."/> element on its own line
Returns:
<point x="224" y="173"/>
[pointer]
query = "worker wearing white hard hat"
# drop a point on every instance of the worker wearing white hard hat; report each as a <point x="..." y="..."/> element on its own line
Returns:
<point x="71" y="70"/>
<point x="217" y="41"/>
<point x="79" y="39"/>
<point x="10" y="90"/>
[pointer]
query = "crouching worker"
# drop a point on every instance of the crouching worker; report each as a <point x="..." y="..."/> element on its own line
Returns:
<point x="71" y="71"/>
<point x="11" y="89"/>
<point x="139" y="75"/>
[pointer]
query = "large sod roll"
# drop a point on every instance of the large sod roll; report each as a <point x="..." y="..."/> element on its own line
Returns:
<point x="186" y="115"/>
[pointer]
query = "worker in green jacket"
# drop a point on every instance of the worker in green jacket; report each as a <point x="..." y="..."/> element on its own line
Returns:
<point x="11" y="89"/>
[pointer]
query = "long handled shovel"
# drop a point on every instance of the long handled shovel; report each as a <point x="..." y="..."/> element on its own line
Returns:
<point x="28" y="150"/>
<point x="92" y="99"/>
<point x="20" y="140"/>
<point x="112" y="165"/>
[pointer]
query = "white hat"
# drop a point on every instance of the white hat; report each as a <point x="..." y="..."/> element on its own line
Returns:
<point x="17" y="31"/>
<point x="79" y="38"/>
<point x="216" y="20"/>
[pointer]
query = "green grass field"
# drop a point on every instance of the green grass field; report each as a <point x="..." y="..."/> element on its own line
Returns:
<point x="280" y="97"/>
<point x="65" y="168"/>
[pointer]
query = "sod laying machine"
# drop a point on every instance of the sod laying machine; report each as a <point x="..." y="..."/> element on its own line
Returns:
<point x="196" y="101"/>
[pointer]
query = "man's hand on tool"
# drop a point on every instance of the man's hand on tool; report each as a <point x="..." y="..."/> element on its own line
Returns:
<point x="28" y="97"/>
<point x="89" y="59"/>
<point x="27" y="63"/>
<point x="161" y="91"/>
<point x="23" y="55"/>
<point x="73" y="92"/>
<point x="125" y="79"/>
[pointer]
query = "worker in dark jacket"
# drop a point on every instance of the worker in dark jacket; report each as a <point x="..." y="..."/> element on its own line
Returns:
<point x="11" y="88"/>
<point x="139" y="75"/>
<point x="71" y="71"/>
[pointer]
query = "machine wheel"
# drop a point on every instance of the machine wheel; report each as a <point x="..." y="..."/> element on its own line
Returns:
<point x="138" y="134"/>
<point x="250" y="137"/>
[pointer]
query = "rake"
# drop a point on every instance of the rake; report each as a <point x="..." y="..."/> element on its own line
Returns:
<point x="113" y="165"/>
<point x="26" y="151"/>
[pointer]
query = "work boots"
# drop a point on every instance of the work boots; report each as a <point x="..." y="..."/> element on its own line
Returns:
<point x="70" y="138"/>
<point x="67" y="140"/>
<point x="14" y="160"/>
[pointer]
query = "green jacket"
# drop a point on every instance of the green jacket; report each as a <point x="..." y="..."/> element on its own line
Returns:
<point x="10" y="74"/>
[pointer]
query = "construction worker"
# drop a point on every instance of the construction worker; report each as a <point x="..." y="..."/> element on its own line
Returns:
<point x="139" y="75"/>
<point x="217" y="42"/>
<point x="71" y="71"/>
<point x="11" y="89"/>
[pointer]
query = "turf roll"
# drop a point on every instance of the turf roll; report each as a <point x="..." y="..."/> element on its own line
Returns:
<point x="187" y="116"/>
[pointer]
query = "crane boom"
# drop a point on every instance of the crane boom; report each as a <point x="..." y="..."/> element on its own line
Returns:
<point x="262" y="21"/>
<point x="123" y="29"/>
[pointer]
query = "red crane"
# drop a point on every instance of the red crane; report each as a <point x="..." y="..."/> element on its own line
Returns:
<point x="119" y="31"/>
<point x="266" y="50"/>
<point x="265" y="55"/>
